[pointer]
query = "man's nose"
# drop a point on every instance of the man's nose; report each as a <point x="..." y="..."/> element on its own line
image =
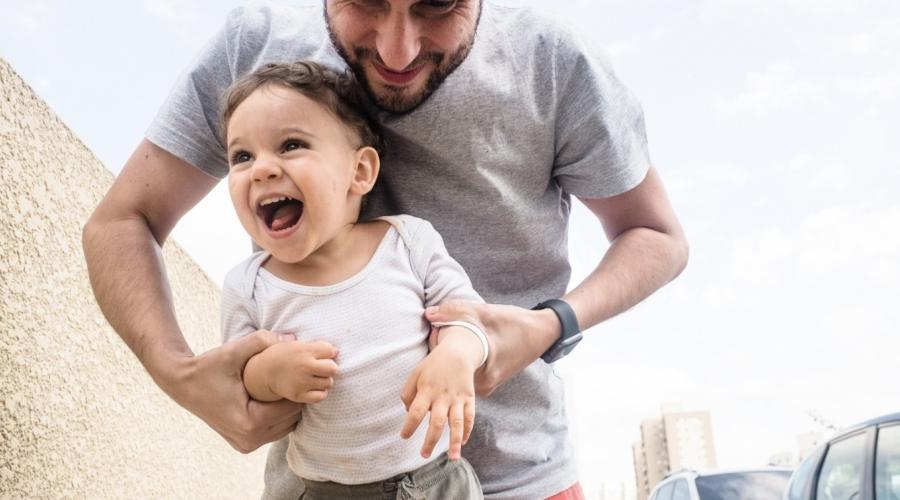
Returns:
<point x="265" y="168"/>
<point x="397" y="40"/>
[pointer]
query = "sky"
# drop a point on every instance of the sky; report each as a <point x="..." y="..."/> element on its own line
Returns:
<point x="770" y="123"/>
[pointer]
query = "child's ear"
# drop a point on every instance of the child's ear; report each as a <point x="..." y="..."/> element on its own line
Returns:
<point x="367" y="166"/>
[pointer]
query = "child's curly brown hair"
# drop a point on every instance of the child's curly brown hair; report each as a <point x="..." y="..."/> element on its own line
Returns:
<point x="338" y="92"/>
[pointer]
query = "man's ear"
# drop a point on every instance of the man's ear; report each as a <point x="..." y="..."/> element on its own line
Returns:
<point x="368" y="165"/>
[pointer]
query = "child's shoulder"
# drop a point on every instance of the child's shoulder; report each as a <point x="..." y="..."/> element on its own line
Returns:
<point x="410" y="227"/>
<point x="241" y="278"/>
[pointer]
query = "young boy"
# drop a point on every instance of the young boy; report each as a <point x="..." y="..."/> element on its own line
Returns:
<point x="302" y="155"/>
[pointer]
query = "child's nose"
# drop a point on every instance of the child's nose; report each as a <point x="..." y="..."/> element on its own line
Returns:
<point x="265" y="169"/>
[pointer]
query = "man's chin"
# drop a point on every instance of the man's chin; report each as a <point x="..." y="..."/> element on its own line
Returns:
<point x="398" y="101"/>
<point x="395" y="99"/>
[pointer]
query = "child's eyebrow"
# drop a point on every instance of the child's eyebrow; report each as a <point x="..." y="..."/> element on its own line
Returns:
<point x="295" y="130"/>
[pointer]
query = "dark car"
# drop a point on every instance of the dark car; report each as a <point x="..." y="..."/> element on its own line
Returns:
<point x="859" y="463"/>
<point x="766" y="483"/>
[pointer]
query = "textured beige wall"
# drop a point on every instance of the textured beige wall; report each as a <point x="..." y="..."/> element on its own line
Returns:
<point x="79" y="416"/>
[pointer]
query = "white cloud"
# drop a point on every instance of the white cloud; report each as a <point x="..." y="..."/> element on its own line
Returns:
<point x="180" y="17"/>
<point x="31" y="16"/>
<point x="783" y="8"/>
<point x="26" y="23"/>
<point x="163" y="9"/>
<point x="881" y="38"/>
<point x="776" y="88"/>
<point x="882" y="86"/>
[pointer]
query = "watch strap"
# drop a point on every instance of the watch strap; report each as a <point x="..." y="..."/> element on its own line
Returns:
<point x="571" y="332"/>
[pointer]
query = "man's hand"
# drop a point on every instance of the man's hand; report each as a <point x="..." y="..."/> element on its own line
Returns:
<point x="443" y="384"/>
<point x="299" y="371"/>
<point x="517" y="337"/>
<point x="212" y="389"/>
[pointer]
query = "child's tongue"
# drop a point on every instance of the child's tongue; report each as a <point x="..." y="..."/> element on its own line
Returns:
<point x="286" y="216"/>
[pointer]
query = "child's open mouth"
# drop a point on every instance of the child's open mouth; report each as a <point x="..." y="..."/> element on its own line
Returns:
<point x="280" y="213"/>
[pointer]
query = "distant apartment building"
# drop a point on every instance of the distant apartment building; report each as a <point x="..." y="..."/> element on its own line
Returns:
<point x="806" y="443"/>
<point x="674" y="441"/>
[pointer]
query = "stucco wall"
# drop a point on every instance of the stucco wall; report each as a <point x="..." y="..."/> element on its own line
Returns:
<point x="79" y="416"/>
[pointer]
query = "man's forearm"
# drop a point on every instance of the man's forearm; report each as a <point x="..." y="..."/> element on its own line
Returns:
<point x="638" y="262"/>
<point x="127" y="273"/>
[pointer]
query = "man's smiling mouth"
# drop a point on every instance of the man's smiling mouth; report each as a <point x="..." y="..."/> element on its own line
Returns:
<point x="280" y="212"/>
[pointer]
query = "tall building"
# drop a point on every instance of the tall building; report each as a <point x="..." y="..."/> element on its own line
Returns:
<point x="806" y="444"/>
<point x="689" y="440"/>
<point x="640" y="468"/>
<point x="674" y="441"/>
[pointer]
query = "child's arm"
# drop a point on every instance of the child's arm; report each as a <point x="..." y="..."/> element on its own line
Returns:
<point x="299" y="371"/>
<point x="443" y="383"/>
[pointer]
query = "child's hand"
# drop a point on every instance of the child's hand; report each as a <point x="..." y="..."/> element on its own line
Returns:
<point x="296" y="370"/>
<point x="443" y="384"/>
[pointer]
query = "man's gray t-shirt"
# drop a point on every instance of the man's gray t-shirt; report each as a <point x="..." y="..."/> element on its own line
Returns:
<point x="531" y="117"/>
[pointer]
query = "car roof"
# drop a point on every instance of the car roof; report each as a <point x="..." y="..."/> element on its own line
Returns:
<point x="891" y="417"/>
<point x="737" y="470"/>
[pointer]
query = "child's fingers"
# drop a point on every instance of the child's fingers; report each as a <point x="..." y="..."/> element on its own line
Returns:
<point x="468" y="420"/>
<point x="309" y="396"/>
<point x="322" y="350"/>
<point x="315" y="396"/>
<point x="456" y="429"/>
<point x="323" y="368"/>
<point x="414" y="415"/>
<point x="436" y="423"/>
<point x="320" y="383"/>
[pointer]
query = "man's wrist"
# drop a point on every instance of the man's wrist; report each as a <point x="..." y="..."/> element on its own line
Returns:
<point x="570" y="329"/>
<point x="548" y="329"/>
<point x="172" y="371"/>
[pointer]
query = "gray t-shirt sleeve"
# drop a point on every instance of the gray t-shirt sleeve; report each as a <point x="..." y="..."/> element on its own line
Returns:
<point x="186" y="125"/>
<point x="601" y="142"/>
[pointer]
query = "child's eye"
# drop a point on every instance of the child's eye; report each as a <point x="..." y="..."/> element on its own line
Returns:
<point x="292" y="144"/>
<point x="240" y="157"/>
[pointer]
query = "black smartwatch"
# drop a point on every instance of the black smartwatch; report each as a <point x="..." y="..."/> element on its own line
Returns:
<point x="571" y="333"/>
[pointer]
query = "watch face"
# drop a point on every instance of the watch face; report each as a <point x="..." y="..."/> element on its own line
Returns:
<point x="562" y="349"/>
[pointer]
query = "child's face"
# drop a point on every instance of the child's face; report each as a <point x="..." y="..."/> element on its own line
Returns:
<point x="294" y="172"/>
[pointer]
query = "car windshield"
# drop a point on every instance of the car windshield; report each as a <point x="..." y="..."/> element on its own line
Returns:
<point x="756" y="485"/>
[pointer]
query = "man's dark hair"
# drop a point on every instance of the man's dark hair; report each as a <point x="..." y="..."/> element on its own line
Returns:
<point x="338" y="92"/>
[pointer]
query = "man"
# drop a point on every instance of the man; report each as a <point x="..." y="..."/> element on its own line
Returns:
<point x="493" y="118"/>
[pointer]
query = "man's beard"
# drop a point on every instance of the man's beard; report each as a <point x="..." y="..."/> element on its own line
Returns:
<point x="395" y="99"/>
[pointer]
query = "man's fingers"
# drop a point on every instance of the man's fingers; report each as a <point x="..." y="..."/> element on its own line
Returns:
<point x="246" y="347"/>
<point x="468" y="420"/>
<point x="452" y="310"/>
<point x="417" y="410"/>
<point x="275" y="411"/>
<point x="265" y="422"/>
<point x="456" y="429"/>
<point x="280" y="429"/>
<point x="436" y="424"/>
<point x="408" y="394"/>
